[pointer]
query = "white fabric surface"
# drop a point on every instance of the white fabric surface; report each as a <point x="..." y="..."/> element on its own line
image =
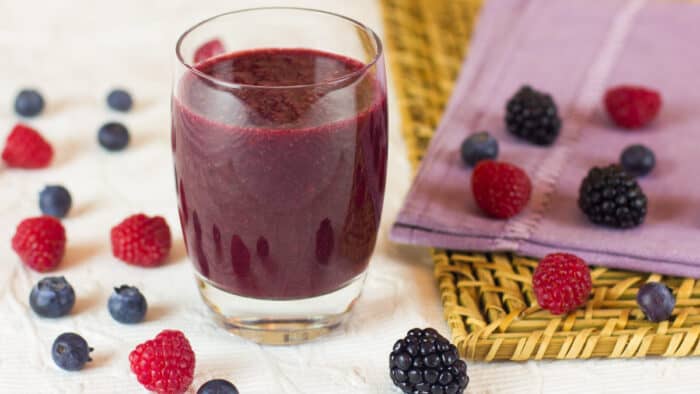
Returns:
<point x="75" y="51"/>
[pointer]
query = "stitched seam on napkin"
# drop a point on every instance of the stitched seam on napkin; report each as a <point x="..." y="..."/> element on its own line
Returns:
<point x="469" y="81"/>
<point x="549" y="245"/>
<point x="545" y="179"/>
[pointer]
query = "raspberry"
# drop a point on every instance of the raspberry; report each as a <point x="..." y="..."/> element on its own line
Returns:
<point x="26" y="148"/>
<point x="40" y="242"/>
<point x="164" y="364"/>
<point x="208" y="50"/>
<point x="562" y="283"/>
<point x="500" y="189"/>
<point x="141" y="240"/>
<point x="631" y="106"/>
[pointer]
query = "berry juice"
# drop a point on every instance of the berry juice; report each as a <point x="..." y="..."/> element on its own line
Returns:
<point x="280" y="166"/>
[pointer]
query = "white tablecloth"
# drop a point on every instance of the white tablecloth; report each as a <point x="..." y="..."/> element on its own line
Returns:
<point x="74" y="52"/>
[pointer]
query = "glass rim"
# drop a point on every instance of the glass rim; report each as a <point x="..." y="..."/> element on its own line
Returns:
<point x="349" y="76"/>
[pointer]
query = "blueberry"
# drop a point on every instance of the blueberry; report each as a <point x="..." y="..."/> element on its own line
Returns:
<point x="127" y="305"/>
<point x="113" y="136"/>
<point x="656" y="301"/>
<point x="55" y="200"/>
<point x="638" y="160"/>
<point x="29" y="103"/>
<point x="52" y="296"/>
<point x="70" y="351"/>
<point x="119" y="100"/>
<point x="479" y="146"/>
<point x="217" y="386"/>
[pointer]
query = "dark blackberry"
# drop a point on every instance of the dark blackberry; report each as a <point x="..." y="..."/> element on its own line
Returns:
<point x="611" y="197"/>
<point x="532" y="115"/>
<point x="426" y="362"/>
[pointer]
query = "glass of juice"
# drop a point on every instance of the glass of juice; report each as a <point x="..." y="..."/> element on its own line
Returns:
<point x="279" y="139"/>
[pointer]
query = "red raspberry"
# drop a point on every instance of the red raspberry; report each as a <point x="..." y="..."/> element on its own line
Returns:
<point x="208" y="50"/>
<point x="500" y="189"/>
<point x="164" y="364"/>
<point x="632" y="106"/>
<point x="26" y="148"/>
<point x="40" y="242"/>
<point x="141" y="240"/>
<point x="562" y="283"/>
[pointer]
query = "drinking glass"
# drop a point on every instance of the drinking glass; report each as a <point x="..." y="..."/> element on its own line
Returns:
<point x="279" y="139"/>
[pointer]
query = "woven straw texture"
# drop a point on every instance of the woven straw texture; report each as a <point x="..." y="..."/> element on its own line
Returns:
<point x="488" y="299"/>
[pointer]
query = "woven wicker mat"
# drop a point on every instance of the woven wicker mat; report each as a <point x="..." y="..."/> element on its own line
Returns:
<point x="487" y="298"/>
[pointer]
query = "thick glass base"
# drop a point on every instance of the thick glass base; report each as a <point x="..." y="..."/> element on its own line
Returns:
<point x="275" y="322"/>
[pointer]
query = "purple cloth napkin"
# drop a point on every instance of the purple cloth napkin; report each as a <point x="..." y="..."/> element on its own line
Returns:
<point x="575" y="50"/>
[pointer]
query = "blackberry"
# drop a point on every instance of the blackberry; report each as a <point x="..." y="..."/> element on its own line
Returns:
<point x="532" y="115"/>
<point x="611" y="197"/>
<point x="426" y="362"/>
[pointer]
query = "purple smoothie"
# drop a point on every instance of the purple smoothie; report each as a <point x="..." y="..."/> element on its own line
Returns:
<point x="280" y="179"/>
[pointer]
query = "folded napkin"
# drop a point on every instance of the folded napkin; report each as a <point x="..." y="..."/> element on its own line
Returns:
<point x="574" y="50"/>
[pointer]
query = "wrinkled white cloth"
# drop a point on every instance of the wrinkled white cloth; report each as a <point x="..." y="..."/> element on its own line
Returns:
<point x="74" y="52"/>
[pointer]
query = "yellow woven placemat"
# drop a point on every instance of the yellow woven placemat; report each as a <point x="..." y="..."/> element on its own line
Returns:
<point x="487" y="298"/>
